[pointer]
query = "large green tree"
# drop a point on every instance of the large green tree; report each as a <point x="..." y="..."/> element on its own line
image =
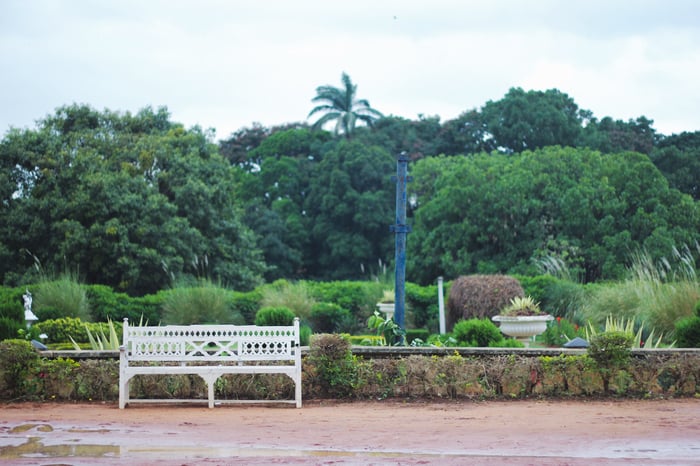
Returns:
<point x="609" y="135"/>
<point x="274" y="189"/>
<point x="340" y="104"/>
<point x="529" y="120"/>
<point x="466" y="134"/>
<point x="678" y="158"/>
<point x="350" y="207"/>
<point x="496" y="213"/>
<point x="418" y="138"/>
<point x="125" y="200"/>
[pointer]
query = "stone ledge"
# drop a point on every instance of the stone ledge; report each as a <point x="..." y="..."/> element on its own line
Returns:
<point x="404" y="351"/>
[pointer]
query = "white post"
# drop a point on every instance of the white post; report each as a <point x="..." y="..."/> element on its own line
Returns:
<point x="441" y="307"/>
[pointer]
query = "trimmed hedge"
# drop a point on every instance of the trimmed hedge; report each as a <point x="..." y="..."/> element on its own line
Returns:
<point x="329" y="370"/>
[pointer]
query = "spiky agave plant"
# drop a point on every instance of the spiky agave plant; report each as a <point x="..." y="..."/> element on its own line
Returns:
<point x="624" y="325"/>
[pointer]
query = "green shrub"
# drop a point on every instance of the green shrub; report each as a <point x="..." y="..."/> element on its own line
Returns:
<point x="688" y="332"/>
<point x="611" y="349"/>
<point x="148" y="308"/>
<point x="423" y="303"/>
<point x="477" y="332"/>
<point x="64" y="297"/>
<point x="612" y="352"/>
<point x="360" y="298"/>
<point x="330" y="318"/>
<point x="12" y="304"/>
<point x="247" y="304"/>
<point x="335" y="371"/>
<point x="52" y="379"/>
<point x="16" y="359"/>
<point x="9" y="328"/>
<point x="537" y="286"/>
<point x="507" y="343"/>
<point x="560" y="331"/>
<point x="104" y="303"/>
<point x="274" y="316"/>
<point x="62" y="330"/>
<point x="108" y="304"/>
<point x="203" y="304"/>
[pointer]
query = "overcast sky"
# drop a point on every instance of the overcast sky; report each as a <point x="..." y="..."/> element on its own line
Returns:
<point x="225" y="64"/>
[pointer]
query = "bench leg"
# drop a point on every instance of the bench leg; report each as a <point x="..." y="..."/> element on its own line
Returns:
<point x="123" y="393"/>
<point x="210" y="394"/>
<point x="210" y="380"/>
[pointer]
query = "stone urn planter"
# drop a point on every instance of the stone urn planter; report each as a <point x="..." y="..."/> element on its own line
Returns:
<point x="387" y="309"/>
<point x="523" y="328"/>
<point x="523" y="319"/>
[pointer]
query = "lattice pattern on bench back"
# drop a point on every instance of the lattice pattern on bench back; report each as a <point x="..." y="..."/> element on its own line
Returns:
<point x="187" y="343"/>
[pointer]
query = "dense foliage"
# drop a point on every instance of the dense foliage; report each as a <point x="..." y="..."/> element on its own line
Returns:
<point x="126" y="200"/>
<point x="135" y="201"/>
<point x="494" y="212"/>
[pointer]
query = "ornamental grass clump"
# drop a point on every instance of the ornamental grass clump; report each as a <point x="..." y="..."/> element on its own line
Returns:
<point x="63" y="297"/>
<point x="659" y="293"/>
<point x="206" y="303"/>
<point x="295" y="296"/>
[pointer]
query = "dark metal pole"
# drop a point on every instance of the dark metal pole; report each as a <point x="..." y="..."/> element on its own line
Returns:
<point x="400" y="228"/>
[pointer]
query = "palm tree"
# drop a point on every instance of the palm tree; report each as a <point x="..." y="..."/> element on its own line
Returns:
<point x="341" y="105"/>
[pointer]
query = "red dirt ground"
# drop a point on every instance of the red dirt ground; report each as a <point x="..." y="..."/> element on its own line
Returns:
<point x="380" y="432"/>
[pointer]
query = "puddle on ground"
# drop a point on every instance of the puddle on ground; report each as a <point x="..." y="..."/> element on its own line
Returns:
<point x="25" y="427"/>
<point x="34" y="448"/>
<point x="37" y="446"/>
<point x="89" y="431"/>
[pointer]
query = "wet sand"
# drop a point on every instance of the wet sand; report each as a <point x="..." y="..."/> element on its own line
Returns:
<point x="379" y="432"/>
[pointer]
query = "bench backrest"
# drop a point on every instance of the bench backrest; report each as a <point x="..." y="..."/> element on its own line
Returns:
<point x="191" y="343"/>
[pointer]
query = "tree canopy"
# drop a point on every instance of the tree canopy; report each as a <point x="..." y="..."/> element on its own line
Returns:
<point x="125" y="200"/>
<point x="491" y="213"/>
<point x="134" y="201"/>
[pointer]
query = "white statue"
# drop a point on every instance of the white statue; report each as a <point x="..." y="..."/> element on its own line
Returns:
<point x="27" y="301"/>
<point x="29" y="316"/>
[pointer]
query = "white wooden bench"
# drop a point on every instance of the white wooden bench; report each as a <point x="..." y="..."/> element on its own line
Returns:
<point x="209" y="351"/>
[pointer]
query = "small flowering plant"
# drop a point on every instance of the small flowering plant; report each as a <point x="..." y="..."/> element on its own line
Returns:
<point x="525" y="306"/>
